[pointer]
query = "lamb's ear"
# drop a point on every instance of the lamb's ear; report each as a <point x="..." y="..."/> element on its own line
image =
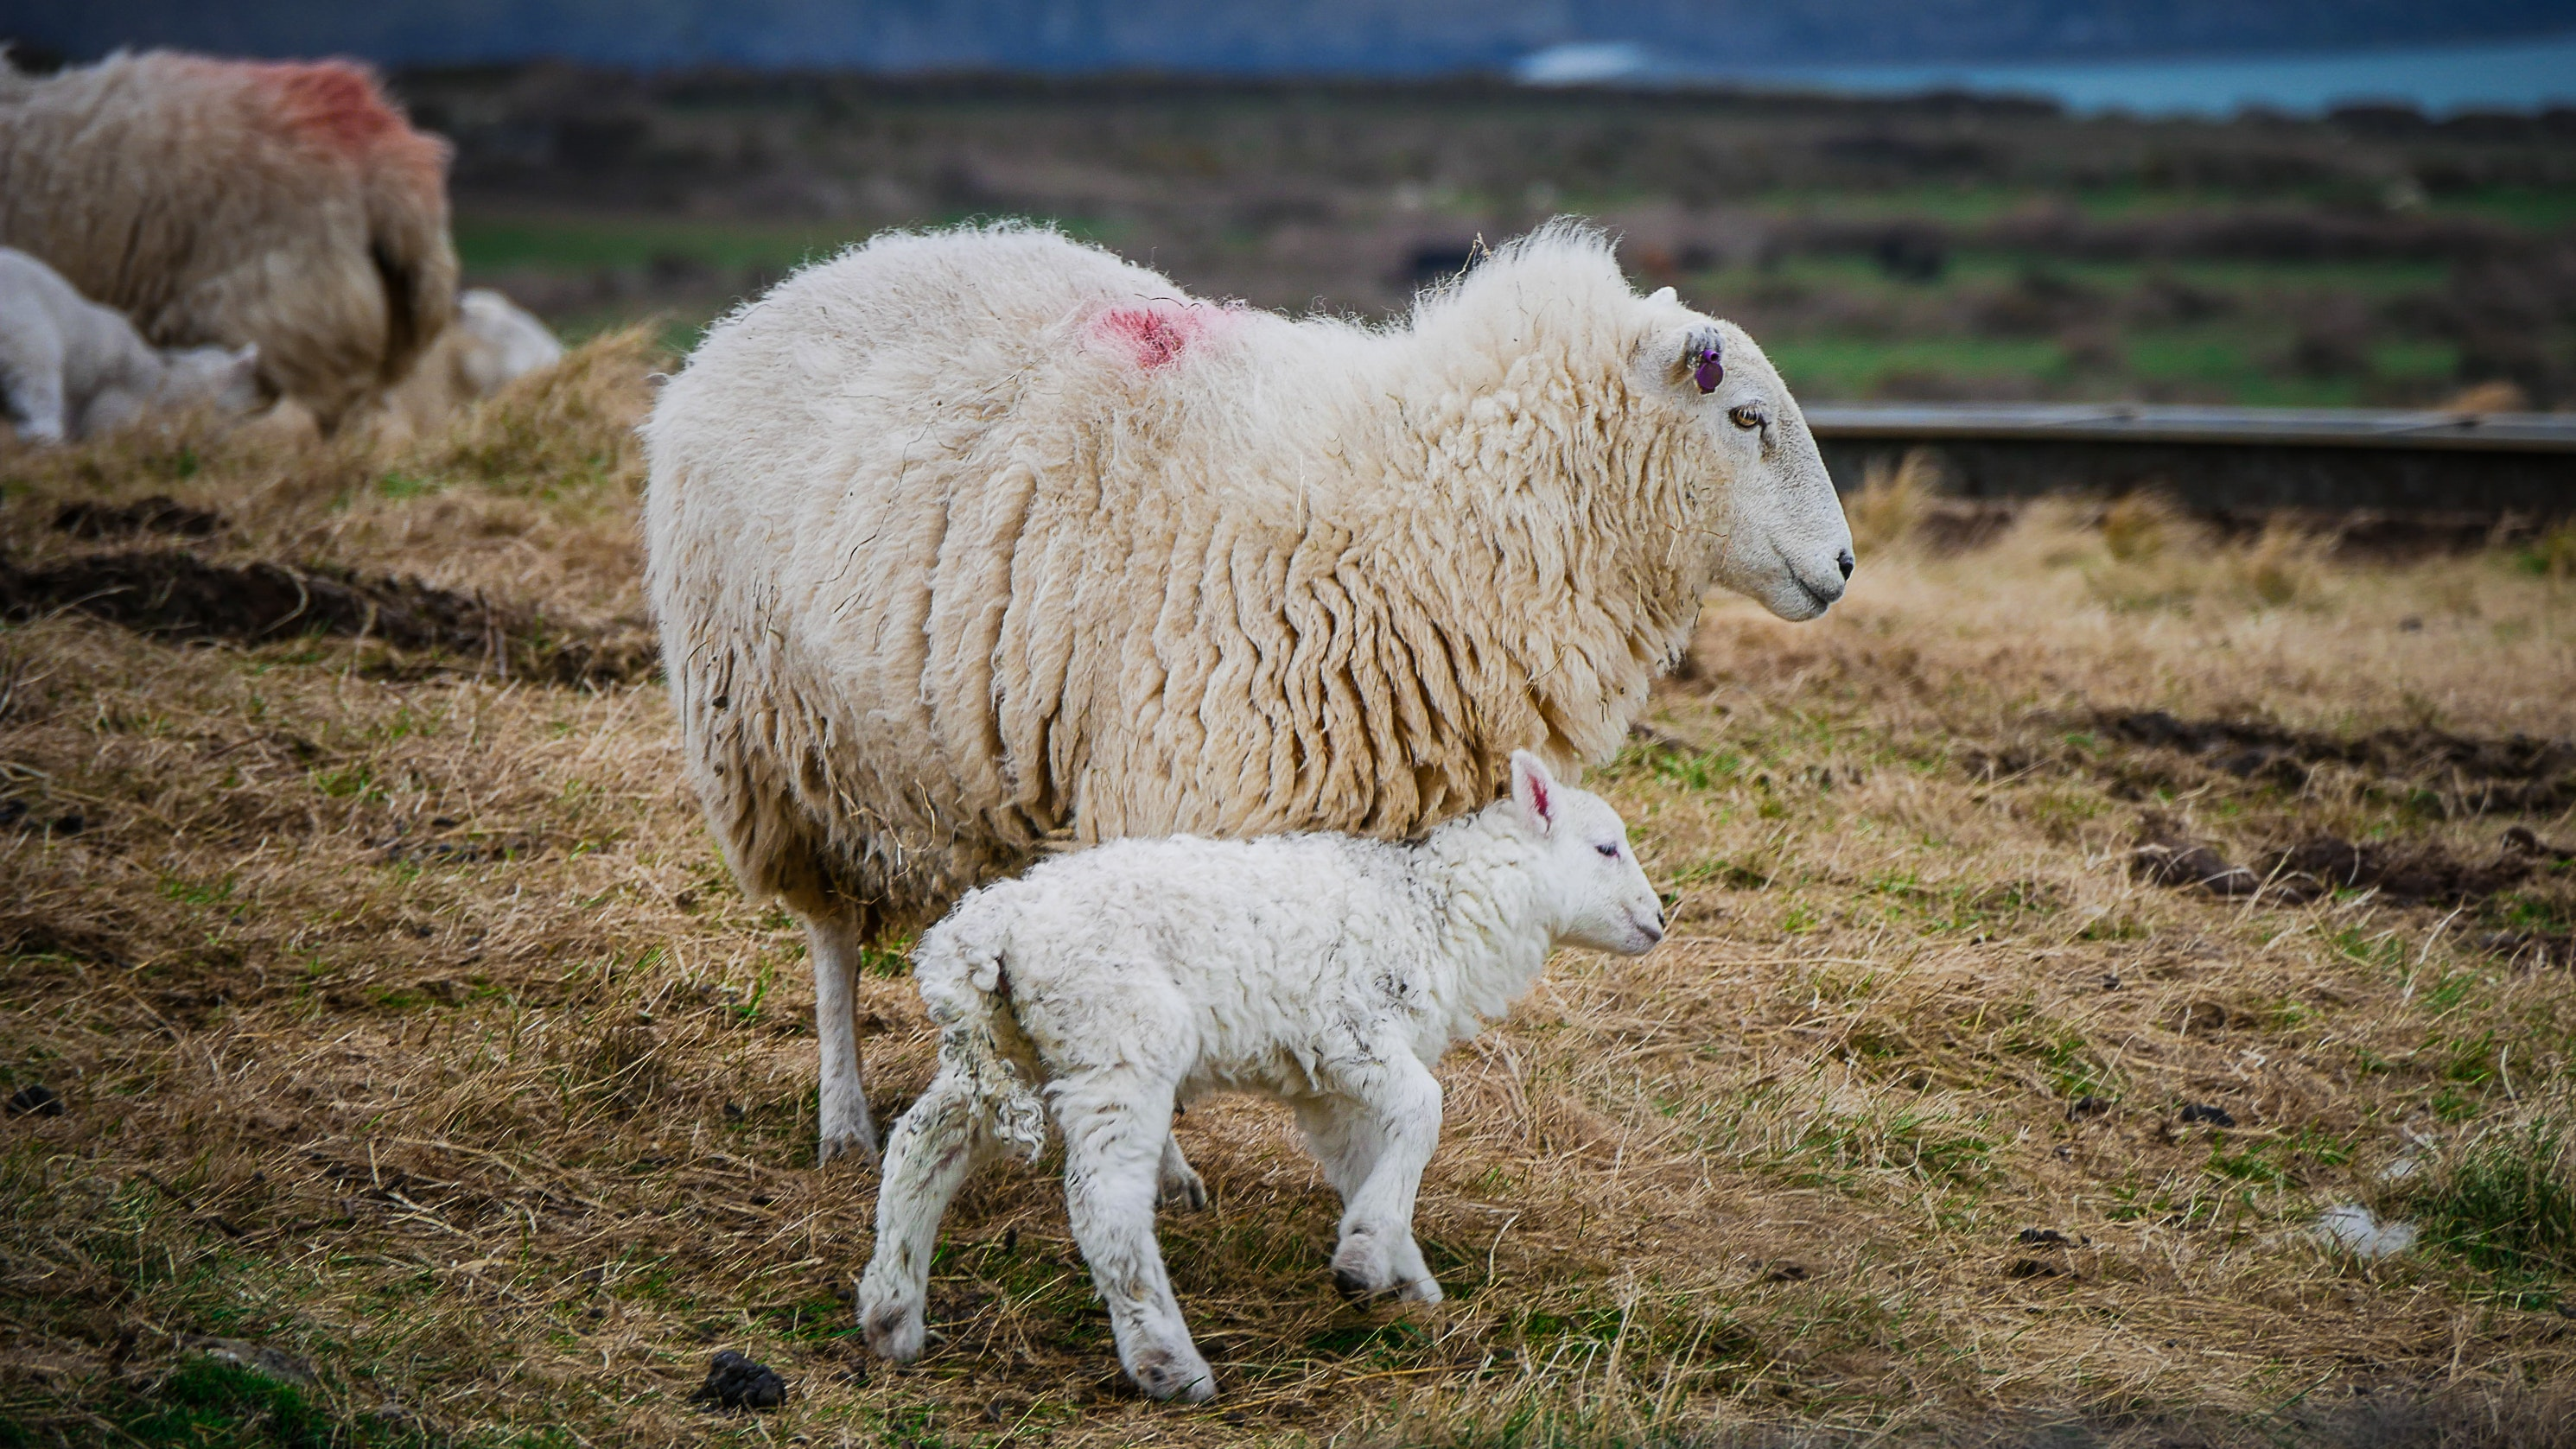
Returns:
<point x="1534" y="790"/>
<point x="1665" y="294"/>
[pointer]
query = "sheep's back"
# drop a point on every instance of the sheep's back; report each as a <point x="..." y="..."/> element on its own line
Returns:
<point x="840" y="480"/>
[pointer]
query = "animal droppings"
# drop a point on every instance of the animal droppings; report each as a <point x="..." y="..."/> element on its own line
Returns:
<point x="736" y="1382"/>
<point x="38" y="1099"/>
<point x="2044" y="1238"/>
<point x="2215" y="1116"/>
<point x="2353" y="1229"/>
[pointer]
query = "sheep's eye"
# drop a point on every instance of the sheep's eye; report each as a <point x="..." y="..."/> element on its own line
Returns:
<point x="1611" y="851"/>
<point x="1748" y="416"/>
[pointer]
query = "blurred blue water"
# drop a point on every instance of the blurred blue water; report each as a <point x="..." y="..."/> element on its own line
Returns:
<point x="2518" y="75"/>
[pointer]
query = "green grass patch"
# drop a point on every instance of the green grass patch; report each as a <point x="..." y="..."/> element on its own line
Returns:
<point x="2507" y="1201"/>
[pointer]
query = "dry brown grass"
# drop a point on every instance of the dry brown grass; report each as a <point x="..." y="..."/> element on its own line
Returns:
<point x="407" y="1022"/>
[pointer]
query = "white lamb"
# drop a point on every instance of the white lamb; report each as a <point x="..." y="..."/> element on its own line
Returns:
<point x="70" y="368"/>
<point x="1326" y="970"/>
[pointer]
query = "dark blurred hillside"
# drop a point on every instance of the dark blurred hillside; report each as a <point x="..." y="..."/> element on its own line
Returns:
<point x="1939" y="246"/>
<point x="1273" y="36"/>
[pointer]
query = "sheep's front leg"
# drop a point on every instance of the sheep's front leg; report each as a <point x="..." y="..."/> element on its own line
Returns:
<point x="1375" y="1144"/>
<point x="1116" y="1129"/>
<point x="935" y="1145"/>
<point x="835" y="942"/>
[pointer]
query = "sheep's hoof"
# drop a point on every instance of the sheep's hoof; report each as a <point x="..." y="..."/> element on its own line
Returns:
<point x="894" y="1330"/>
<point x="1183" y="1192"/>
<point x="1164" y="1374"/>
<point x="861" y="1145"/>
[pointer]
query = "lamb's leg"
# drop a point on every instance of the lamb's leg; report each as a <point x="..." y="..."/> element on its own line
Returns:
<point x="33" y="387"/>
<point x="1383" y="1135"/>
<point x="834" y="940"/>
<point x="1115" y="1126"/>
<point x="933" y="1148"/>
<point x="1179" y="1186"/>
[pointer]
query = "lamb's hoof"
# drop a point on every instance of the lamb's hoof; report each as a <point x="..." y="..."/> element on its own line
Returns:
<point x="1361" y="1273"/>
<point x="1182" y="1192"/>
<point x="894" y="1330"/>
<point x="861" y="1146"/>
<point x="1166" y="1374"/>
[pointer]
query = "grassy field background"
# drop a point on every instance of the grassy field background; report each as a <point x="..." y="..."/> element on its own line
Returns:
<point x="1945" y="247"/>
<point x="407" y="1031"/>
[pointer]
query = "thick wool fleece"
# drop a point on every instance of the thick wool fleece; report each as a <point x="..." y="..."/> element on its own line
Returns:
<point x="224" y="202"/>
<point x="965" y="538"/>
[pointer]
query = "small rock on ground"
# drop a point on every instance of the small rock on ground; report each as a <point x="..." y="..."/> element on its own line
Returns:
<point x="258" y="1358"/>
<point x="2353" y="1229"/>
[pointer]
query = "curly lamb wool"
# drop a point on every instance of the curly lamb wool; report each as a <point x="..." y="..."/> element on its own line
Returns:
<point x="222" y="202"/>
<point x="967" y="538"/>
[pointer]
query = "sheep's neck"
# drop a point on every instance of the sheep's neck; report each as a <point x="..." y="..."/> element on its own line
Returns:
<point x="1495" y="937"/>
<point x="1574" y="543"/>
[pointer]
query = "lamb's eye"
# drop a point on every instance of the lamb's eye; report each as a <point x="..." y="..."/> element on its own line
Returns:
<point x="1611" y="851"/>
<point x="1748" y="416"/>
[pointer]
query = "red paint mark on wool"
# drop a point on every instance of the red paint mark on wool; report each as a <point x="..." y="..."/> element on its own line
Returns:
<point x="1156" y="335"/>
<point x="331" y="101"/>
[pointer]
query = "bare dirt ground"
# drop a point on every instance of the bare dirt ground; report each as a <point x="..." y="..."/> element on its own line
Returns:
<point x="2065" y="924"/>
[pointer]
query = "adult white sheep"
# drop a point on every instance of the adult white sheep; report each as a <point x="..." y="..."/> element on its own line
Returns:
<point x="1325" y="970"/>
<point x="967" y="537"/>
<point x="226" y="203"/>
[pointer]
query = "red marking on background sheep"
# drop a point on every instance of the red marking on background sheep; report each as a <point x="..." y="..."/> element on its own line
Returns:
<point x="332" y="102"/>
<point x="1156" y="335"/>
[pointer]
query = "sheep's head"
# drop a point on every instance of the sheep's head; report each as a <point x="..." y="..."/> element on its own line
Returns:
<point x="1594" y="891"/>
<point x="1760" y="489"/>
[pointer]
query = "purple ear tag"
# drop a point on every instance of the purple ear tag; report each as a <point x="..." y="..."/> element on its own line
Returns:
<point x="1707" y="371"/>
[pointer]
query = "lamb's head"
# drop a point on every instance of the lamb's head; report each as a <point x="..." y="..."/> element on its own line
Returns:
<point x="225" y="379"/>
<point x="1760" y="489"/>
<point x="1590" y="887"/>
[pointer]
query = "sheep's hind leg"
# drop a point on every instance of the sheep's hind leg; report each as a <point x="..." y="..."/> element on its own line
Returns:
<point x="836" y="939"/>
<point x="934" y="1146"/>
<point x="1116" y="1128"/>
<point x="1374" y="1146"/>
<point x="1179" y="1187"/>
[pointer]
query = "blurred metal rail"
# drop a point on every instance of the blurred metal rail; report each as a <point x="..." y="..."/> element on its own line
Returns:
<point x="2451" y="466"/>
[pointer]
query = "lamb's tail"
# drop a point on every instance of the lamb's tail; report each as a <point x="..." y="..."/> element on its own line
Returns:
<point x="964" y="985"/>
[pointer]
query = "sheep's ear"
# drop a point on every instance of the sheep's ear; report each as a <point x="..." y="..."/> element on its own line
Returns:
<point x="1534" y="790"/>
<point x="1665" y="294"/>
<point x="1692" y="357"/>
